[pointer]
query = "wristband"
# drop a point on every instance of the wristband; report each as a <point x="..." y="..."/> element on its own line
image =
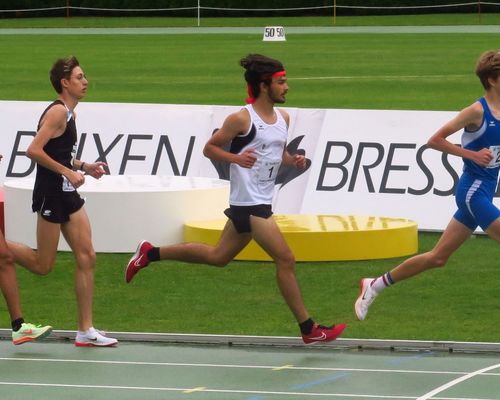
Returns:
<point x="81" y="166"/>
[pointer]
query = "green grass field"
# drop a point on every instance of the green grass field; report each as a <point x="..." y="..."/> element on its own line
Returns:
<point x="386" y="71"/>
<point x="381" y="20"/>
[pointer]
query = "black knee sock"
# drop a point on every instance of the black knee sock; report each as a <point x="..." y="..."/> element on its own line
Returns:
<point x="306" y="326"/>
<point x="154" y="254"/>
<point x="16" y="324"/>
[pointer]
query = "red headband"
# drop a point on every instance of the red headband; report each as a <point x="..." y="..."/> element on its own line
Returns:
<point x="251" y="99"/>
<point x="278" y="74"/>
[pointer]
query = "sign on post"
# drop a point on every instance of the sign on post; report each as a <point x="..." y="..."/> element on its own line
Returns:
<point x="274" y="34"/>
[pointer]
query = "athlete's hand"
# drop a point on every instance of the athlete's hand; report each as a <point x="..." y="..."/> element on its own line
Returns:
<point x="95" y="170"/>
<point x="247" y="158"/>
<point x="483" y="157"/>
<point x="299" y="161"/>
<point x="75" y="178"/>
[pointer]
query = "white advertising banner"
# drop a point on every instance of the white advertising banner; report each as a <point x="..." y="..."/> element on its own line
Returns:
<point x="133" y="139"/>
<point x="377" y="163"/>
<point x="362" y="162"/>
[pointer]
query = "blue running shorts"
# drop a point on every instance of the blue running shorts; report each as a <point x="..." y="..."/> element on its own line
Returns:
<point x="474" y="198"/>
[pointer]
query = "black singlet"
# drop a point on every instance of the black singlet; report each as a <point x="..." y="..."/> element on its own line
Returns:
<point x="60" y="149"/>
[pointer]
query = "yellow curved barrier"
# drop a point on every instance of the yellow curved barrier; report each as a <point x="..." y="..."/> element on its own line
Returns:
<point x="325" y="237"/>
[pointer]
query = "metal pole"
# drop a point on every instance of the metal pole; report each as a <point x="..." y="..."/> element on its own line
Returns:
<point x="199" y="13"/>
<point x="334" y="12"/>
<point x="67" y="8"/>
<point x="479" y="10"/>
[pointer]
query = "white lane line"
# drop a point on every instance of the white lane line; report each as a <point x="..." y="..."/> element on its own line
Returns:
<point x="288" y="366"/>
<point x="201" y="390"/>
<point x="385" y="77"/>
<point x="247" y="392"/>
<point x="457" y="381"/>
<point x="204" y="365"/>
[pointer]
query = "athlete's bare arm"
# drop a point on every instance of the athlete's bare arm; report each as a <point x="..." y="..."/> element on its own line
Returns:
<point x="470" y="118"/>
<point x="234" y="125"/>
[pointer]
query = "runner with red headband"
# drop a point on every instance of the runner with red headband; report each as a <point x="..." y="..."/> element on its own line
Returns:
<point x="256" y="136"/>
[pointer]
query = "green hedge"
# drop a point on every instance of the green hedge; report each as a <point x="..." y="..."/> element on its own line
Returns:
<point x="249" y="4"/>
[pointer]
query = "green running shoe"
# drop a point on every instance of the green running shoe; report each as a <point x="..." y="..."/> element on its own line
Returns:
<point x="30" y="332"/>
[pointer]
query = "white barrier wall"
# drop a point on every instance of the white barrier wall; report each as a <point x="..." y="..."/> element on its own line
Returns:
<point x="123" y="210"/>
<point x="365" y="162"/>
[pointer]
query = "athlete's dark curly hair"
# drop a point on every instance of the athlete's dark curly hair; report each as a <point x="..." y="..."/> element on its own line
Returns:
<point x="259" y="69"/>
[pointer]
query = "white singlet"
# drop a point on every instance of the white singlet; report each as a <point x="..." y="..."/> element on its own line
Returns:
<point x="252" y="186"/>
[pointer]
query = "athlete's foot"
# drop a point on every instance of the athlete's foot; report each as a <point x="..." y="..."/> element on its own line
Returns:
<point x="93" y="337"/>
<point x="138" y="261"/>
<point x="29" y="332"/>
<point x="365" y="299"/>
<point x="320" y="333"/>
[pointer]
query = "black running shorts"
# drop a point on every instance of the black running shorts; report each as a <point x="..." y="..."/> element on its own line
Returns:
<point x="240" y="215"/>
<point x="57" y="208"/>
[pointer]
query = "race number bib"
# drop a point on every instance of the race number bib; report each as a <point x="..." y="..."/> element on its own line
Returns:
<point x="268" y="170"/>
<point x="67" y="186"/>
<point x="495" y="162"/>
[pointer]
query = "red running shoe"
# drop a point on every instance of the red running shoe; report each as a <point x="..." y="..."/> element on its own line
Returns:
<point x="322" y="333"/>
<point x="138" y="261"/>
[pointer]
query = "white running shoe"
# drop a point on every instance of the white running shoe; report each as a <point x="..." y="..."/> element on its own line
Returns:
<point x="93" y="337"/>
<point x="365" y="298"/>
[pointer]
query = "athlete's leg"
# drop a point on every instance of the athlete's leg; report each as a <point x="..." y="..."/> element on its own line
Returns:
<point x="42" y="260"/>
<point x="22" y="332"/>
<point x="452" y="238"/>
<point x="77" y="233"/>
<point x="8" y="281"/>
<point x="267" y="234"/>
<point x="229" y="245"/>
<point x="493" y="230"/>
